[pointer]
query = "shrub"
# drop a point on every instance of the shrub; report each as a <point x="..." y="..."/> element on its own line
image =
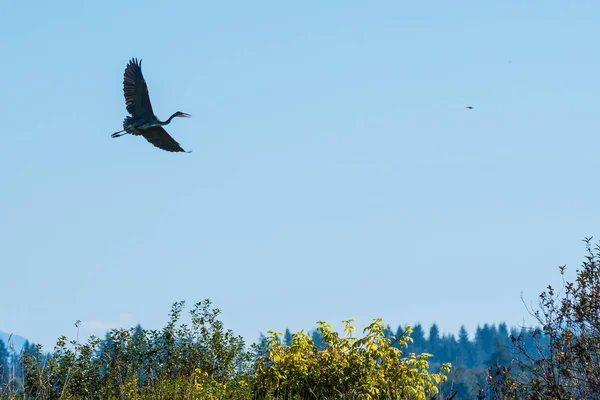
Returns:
<point x="566" y="361"/>
<point x="347" y="367"/>
<point x="205" y="361"/>
<point x="178" y="362"/>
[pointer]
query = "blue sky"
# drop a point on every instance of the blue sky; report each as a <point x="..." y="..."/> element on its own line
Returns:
<point x="335" y="171"/>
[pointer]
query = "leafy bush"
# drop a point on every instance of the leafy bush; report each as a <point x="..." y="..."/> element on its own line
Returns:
<point x="177" y="362"/>
<point x="567" y="364"/>
<point x="205" y="361"/>
<point x="347" y="367"/>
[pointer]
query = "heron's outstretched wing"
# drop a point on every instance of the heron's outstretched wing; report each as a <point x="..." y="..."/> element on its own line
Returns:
<point x="161" y="139"/>
<point x="135" y="90"/>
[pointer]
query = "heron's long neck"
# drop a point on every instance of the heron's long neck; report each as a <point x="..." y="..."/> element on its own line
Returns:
<point x="169" y="120"/>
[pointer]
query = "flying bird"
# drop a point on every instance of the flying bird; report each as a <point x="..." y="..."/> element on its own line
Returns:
<point x="469" y="107"/>
<point x="142" y="120"/>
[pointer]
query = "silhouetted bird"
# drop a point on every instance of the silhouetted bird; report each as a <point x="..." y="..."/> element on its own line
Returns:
<point x="469" y="107"/>
<point x="142" y="120"/>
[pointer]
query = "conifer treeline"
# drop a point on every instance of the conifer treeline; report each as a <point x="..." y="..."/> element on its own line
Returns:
<point x="490" y="345"/>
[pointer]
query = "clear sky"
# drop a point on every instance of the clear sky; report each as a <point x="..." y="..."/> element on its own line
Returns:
<point x="335" y="172"/>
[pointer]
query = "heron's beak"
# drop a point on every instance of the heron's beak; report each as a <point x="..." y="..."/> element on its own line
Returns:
<point x="186" y="115"/>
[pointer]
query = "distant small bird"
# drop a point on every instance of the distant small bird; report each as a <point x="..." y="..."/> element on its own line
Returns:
<point x="142" y="120"/>
<point x="469" y="107"/>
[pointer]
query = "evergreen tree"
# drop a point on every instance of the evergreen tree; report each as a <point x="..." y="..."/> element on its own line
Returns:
<point x="400" y="331"/>
<point x="484" y="341"/>
<point x="317" y="339"/>
<point x="466" y="356"/>
<point x="419" y="341"/>
<point x="139" y="361"/>
<point x="434" y="341"/>
<point x="105" y="350"/>
<point x="387" y="331"/>
<point x="138" y="331"/>
<point x="448" y="351"/>
<point x="503" y="335"/>
<point x="261" y="345"/>
<point x="287" y="337"/>
<point x="262" y="340"/>
<point x="4" y="370"/>
<point x="500" y="351"/>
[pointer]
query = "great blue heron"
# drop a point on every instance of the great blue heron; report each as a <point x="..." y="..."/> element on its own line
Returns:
<point x="142" y="120"/>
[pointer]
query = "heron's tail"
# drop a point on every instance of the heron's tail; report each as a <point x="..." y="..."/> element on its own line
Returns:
<point x="127" y="122"/>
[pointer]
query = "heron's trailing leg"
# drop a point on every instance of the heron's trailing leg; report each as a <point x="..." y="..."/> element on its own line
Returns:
<point x="117" y="134"/>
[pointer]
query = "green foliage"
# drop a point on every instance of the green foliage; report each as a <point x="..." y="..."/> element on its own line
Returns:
<point x="346" y="367"/>
<point x="205" y="361"/>
<point x="202" y="360"/>
<point x="561" y="360"/>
